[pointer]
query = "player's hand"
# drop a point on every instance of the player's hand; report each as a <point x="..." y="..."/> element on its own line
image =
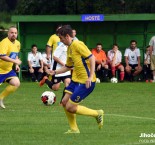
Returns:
<point x="88" y="83"/>
<point x="18" y="61"/>
<point x="17" y="68"/>
<point x="99" y="67"/>
<point x="52" y="72"/>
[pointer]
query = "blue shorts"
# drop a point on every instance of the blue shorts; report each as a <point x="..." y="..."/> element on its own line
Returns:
<point x="79" y="91"/>
<point x="4" y="77"/>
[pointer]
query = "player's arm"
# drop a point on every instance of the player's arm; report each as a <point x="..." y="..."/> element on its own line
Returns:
<point x="17" y="66"/>
<point x="138" y="60"/>
<point x="59" y="71"/>
<point x="92" y="70"/>
<point x="151" y="49"/>
<point x="8" y="59"/>
<point x="126" y="61"/>
<point x="58" y="60"/>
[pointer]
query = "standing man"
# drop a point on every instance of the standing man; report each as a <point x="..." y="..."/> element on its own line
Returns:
<point x="152" y="54"/>
<point x="9" y="50"/>
<point x="82" y="82"/>
<point x="54" y="40"/>
<point x="132" y="60"/>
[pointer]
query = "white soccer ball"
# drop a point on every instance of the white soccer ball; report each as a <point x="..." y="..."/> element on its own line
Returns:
<point x="48" y="98"/>
<point x="114" y="80"/>
<point x="98" y="80"/>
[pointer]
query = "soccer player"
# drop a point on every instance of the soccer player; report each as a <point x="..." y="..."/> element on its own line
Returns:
<point x="114" y="60"/>
<point x="54" y="40"/>
<point x="9" y="49"/>
<point x="82" y="82"/>
<point x="58" y="61"/>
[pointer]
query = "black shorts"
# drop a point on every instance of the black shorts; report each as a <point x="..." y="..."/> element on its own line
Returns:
<point x="133" y="66"/>
<point x="57" y="80"/>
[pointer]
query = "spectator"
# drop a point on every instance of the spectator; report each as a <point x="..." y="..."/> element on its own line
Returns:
<point x="54" y="40"/>
<point x="132" y="60"/>
<point x="47" y="58"/>
<point x="74" y="34"/>
<point x="114" y="60"/>
<point x="152" y="53"/>
<point x="101" y="67"/>
<point x="35" y="63"/>
<point x="146" y="67"/>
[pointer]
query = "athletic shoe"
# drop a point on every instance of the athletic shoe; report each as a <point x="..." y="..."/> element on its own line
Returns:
<point x="42" y="82"/>
<point x="150" y="81"/>
<point x="153" y="81"/>
<point x="72" y="131"/>
<point x="1" y="104"/>
<point x="99" y="118"/>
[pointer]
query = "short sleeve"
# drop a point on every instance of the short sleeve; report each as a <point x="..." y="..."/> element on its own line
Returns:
<point x="126" y="52"/>
<point x="3" y="48"/>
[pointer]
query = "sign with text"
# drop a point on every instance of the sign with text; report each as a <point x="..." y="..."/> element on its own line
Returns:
<point x="92" y="18"/>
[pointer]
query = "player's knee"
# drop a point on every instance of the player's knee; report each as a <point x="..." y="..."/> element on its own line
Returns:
<point x="71" y="108"/>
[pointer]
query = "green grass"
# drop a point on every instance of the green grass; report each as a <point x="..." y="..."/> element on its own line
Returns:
<point x="26" y="121"/>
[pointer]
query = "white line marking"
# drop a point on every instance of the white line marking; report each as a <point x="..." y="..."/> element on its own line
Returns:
<point x="118" y="115"/>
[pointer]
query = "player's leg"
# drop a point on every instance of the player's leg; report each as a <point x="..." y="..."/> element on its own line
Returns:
<point x="14" y="83"/>
<point x="137" y="70"/>
<point x="153" y="66"/>
<point x="80" y="93"/>
<point x="70" y="116"/>
<point x="32" y="73"/>
<point x="128" y="70"/>
<point x="40" y="74"/>
<point x="46" y="80"/>
<point x="66" y="80"/>
<point x="121" y="68"/>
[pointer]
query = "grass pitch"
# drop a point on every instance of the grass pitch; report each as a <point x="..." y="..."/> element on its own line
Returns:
<point x="129" y="111"/>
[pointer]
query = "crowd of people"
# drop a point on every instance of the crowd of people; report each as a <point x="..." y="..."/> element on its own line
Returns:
<point x="131" y="67"/>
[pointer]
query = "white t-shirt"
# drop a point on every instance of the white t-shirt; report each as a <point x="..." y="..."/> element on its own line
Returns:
<point x="152" y="43"/>
<point x="148" y="58"/>
<point x="118" y="56"/>
<point x="132" y="55"/>
<point x="34" y="59"/>
<point x="61" y="53"/>
<point x="45" y="60"/>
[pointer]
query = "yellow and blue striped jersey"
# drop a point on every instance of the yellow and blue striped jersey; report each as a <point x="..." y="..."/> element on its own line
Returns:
<point x="53" y="41"/>
<point x="78" y="57"/>
<point x="7" y="48"/>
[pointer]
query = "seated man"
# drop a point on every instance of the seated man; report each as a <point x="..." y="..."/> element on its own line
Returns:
<point x="132" y="60"/>
<point x="147" y="64"/>
<point x="35" y="63"/>
<point x="47" y="59"/>
<point x="101" y="66"/>
<point x="114" y="60"/>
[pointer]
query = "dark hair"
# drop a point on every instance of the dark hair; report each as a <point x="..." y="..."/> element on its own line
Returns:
<point x="133" y="41"/>
<point x="64" y="30"/>
<point x="148" y="46"/>
<point x="57" y="28"/>
<point x="115" y="44"/>
<point x="33" y="45"/>
<point x="99" y="44"/>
